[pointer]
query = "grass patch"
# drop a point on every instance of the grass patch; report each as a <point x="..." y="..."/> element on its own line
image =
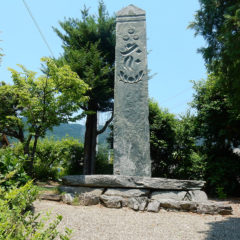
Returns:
<point x="46" y="189"/>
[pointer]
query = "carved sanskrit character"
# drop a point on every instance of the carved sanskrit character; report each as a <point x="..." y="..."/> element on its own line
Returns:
<point x="130" y="59"/>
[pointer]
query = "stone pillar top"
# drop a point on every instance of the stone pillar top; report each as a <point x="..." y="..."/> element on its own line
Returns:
<point x="131" y="10"/>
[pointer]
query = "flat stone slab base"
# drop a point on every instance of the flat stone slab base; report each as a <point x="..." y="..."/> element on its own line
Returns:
<point x="141" y="199"/>
<point x="138" y="193"/>
<point x="120" y="181"/>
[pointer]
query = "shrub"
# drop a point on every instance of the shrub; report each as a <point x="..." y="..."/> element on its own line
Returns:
<point x="222" y="172"/>
<point x="11" y="169"/>
<point x="18" y="222"/>
<point x="102" y="164"/>
<point x="53" y="159"/>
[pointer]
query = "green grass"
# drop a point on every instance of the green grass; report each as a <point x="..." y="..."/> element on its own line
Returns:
<point x="43" y="189"/>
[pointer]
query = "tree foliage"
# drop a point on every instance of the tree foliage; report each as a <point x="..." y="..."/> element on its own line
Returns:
<point x="33" y="104"/>
<point x="217" y="99"/>
<point x="219" y="133"/>
<point x="173" y="147"/>
<point x="190" y="161"/>
<point x="218" y="21"/>
<point x="89" y="49"/>
<point x="162" y="140"/>
<point x="18" y="222"/>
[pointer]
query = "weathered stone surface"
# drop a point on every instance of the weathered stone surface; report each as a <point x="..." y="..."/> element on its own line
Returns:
<point x="111" y="201"/>
<point x="88" y="199"/>
<point x="213" y="208"/>
<point x="224" y="209"/>
<point x="207" y="208"/>
<point x="172" y="195"/>
<point x="131" y="182"/>
<point x="138" y="203"/>
<point x="153" y="206"/>
<point x="81" y="190"/>
<point x="131" y="10"/>
<point x="51" y="197"/>
<point x="131" y="126"/>
<point x="197" y="196"/>
<point x="126" y="192"/>
<point x="68" y="198"/>
<point x="188" y="206"/>
<point x="169" y="204"/>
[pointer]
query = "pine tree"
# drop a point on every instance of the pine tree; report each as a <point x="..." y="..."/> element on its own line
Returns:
<point x="89" y="49"/>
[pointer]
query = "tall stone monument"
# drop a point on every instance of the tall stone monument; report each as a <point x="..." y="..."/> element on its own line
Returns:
<point x="131" y="126"/>
<point x="131" y="184"/>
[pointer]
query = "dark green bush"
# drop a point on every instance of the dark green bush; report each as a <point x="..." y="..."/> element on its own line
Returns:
<point x="103" y="166"/>
<point x="18" y="222"/>
<point x="53" y="159"/>
<point x="11" y="168"/>
<point x="222" y="172"/>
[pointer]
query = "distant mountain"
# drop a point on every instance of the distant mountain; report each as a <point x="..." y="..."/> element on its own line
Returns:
<point x="76" y="131"/>
<point x="72" y="130"/>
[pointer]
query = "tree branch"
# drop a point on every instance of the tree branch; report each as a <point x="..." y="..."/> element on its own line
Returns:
<point x="105" y="126"/>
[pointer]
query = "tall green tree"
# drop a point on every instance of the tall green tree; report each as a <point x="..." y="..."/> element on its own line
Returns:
<point x="33" y="105"/>
<point x="173" y="147"/>
<point x="218" y="132"/>
<point x="162" y="140"/>
<point x="89" y="49"/>
<point x="189" y="160"/>
<point x="218" y="21"/>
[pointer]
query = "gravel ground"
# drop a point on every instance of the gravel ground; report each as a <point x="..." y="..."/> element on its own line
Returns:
<point x="100" y="223"/>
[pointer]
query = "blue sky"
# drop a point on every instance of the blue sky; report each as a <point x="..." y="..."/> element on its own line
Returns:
<point x="173" y="57"/>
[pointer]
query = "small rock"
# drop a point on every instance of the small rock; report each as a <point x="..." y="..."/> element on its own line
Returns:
<point x="225" y="209"/>
<point x="188" y="206"/>
<point x="88" y="199"/>
<point x="51" y="197"/>
<point x="138" y="203"/>
<point x="207" y="208"/>
<point x="197" y="196"/>
<point x="124" y="202"/>
<point x="214" y="208"/>
<point x="153" y="206"/>
<point x="68" y="198"/>
<point x="111" y="201"/>
<point x="174" y="195"/>
<point x="169" y="204"/>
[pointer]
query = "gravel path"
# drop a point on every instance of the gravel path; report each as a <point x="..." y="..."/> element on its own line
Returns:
<point x="100" y="223"/>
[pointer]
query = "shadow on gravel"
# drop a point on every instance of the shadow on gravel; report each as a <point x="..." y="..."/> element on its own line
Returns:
<point x="228" y="229"/>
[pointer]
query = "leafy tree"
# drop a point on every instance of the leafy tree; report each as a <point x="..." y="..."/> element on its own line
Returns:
<point x="189" y="160"/>
<point x="218" y="21"/>
<point x="217" y="99"/>
<point x="173" y="147"/>
<point x="219" y="132"/>
<point x="89" y="49"/>
<point x="162" y="140"/>
<point x="35" y="104"/>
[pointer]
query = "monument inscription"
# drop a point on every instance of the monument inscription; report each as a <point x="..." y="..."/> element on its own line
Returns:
<point x="131" y="126"/>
